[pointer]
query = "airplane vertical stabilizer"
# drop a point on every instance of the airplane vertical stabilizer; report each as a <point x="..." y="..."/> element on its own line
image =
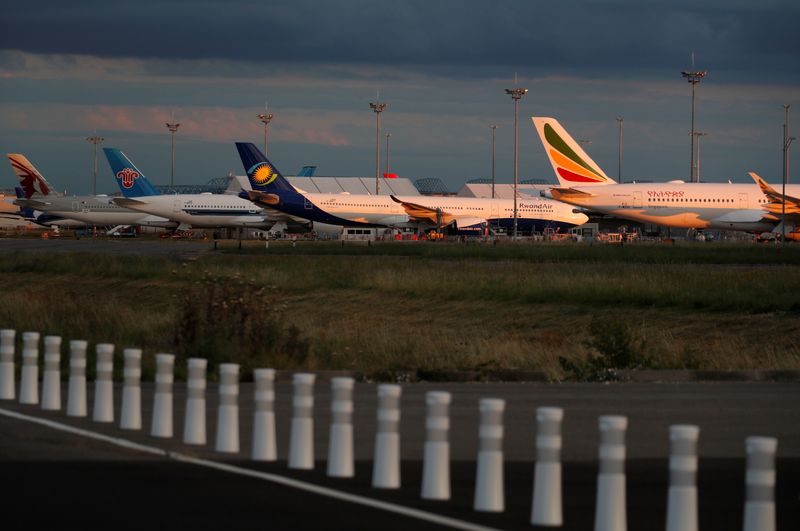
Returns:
<point x="571" y="164"/>
<point x="131" y="181"/>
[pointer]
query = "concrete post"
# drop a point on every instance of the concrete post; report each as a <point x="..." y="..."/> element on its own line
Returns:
<point x="301" y="441"/>
<point x="51" y="380"/>
<point x="682" y="495"/>
<point x="436" y="459"/>
<point x="264" y="443"/>
<point x="547" y="505"/>
<point x="386" y="464"/>
<point x="103" y="409"/>
<point x="131" y="415"/>
<point x="759" y="507"/>
<point x="228" y="412"/>
<point x="7" y="385"/>
<point x="489" y="485"/>
<point x="29" y="378"/>
<point x="76" y="390"/>
<point x="194" y="425"/>
<point x="162" y="423"/>
<point x="610" y="513"/>
<point x="340" y="442"/>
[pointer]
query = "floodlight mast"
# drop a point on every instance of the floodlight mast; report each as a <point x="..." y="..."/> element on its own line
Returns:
<point x="265" y="117"/>
<point x="173" y="128"/>
<point x="787" y="141"/>
<point x="95" y="140"/>
<point x="388" y="135"/>
<point x="516" y="94"/>
<point x="619" y="155"/>
<point x="494" y="129"/>
<point x="378" y="107"/>
<point x="694" y="78"/>
<point x="698" y="135"/>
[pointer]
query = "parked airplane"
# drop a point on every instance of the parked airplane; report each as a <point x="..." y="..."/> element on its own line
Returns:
<point x="743" y="207"/>
<point x="72" y="211"/>
<point x="203" y="210"/>
<point x="466" y="215"/>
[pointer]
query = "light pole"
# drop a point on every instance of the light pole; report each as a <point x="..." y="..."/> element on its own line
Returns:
<point x="619" y="155"/>
<point x="787" y="141"/>
<point x="698" y="135"/>
<point x="95" y="140"/>
<point x="582" y="142"/>
<point x="516" y="94"/>
<point x="494" y="129"/>
<point x="265" y="117"/>
<point x="173" y="128"/>
<point x="694" y="78"/>
<point x="388" y="135"/>
<point x="378" y="107"/>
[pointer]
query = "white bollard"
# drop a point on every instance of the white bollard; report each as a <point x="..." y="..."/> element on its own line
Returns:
<point x="340" y="443"/>
<point x="547" y="505"/>
<point x="76" y="390"/>
<point x="161" y="425"/>
<point x="436" y="458"/>
<point x="103" y="409"/>
<point x="264" y="445"/>
<point x="228" y="412"/>
<point x="7" y="387"/>
<point x="682" y="494"/>
<point x="759" y="506"/>
<point x="610" y="513"/>
<point x="386" y="464"/>
<point x="194" y="425"/>
<point x="29" y="378"/>
<point x="489" y="486"/>
<point x="51" y="379"/>
<point x="301" y="439"/>
<point x="131" y="415"/>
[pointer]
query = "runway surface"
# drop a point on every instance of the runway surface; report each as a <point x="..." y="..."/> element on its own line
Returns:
<point x="68" y="481"/>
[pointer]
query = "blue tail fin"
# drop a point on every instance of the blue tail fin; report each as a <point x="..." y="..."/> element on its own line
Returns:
<point x="263" y="176"/>
<point x="307" y="171"/>
<point x="131" y="181"/>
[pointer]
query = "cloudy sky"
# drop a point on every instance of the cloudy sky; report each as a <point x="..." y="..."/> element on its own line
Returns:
<point x="122" y="68"/>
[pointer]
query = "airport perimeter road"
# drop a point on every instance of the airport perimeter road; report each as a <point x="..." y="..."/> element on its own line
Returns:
<point x="66" y="480"/>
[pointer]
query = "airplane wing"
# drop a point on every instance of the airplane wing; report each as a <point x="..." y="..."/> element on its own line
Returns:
<point x="31" y="203"/>
<point x="776" y="199"/>
<point x="435" y="216"/>
<point x="127" y="201"/>
<point x="567" y="193"/>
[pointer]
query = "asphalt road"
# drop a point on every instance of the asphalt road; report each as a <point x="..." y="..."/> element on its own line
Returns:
<point x="68" y="481"/>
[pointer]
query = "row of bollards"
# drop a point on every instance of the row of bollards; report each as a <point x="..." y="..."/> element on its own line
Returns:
<point x="610" y="511"/>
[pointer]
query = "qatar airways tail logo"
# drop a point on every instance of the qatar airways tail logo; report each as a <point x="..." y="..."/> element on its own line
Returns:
<point x="127" y="176"/>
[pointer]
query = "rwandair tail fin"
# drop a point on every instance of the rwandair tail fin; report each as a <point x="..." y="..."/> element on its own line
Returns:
<point x="263" y="176"/>
<point x="131" y="181"/>
<point x="573" y="167"/>
<point x="31" y="181"/>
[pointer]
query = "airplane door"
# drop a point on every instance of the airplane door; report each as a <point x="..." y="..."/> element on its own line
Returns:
<point x="743" y="201"/>
<point x="307" y="204"/>
<point x="176" y="206"/>
<point x="76" y="207"/>
<point x="637" y="199"/>
<point x="495" y="212"/>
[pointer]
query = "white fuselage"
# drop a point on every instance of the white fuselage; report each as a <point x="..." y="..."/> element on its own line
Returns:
<point x="202" y="210"/>
<point x="681" y="205"/>
<point x="94" y="210"/>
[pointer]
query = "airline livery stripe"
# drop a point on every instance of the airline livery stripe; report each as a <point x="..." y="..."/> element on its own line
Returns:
<point x="570" y="176"/>
<point x="558" y="143"/>
<point x="570" y="166"/>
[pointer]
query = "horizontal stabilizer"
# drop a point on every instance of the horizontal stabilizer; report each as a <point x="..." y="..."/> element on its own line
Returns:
<point x="778" y="203"/>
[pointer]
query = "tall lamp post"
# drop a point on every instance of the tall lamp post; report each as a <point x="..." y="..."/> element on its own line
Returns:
<point x="619" y="154"/>
<point x="388" y="135"/>
<point x="694" y="78"/>
<point x="265" y="117"/>
<point x="699" y="135"/>
<point x="516" y="94"/>
<point x="95" y="140"/>
<point x="787" y="141"/>
<point x="173" y="128"/>
<point x="378" y="107"/>
<point x="494" y="129"/>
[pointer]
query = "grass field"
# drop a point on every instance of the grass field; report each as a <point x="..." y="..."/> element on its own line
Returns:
<point x="392" y="309"/>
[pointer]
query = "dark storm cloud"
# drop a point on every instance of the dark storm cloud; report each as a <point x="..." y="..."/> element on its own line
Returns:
<point x="521" y="34"/>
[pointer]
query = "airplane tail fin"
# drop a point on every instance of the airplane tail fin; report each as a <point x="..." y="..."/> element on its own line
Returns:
<point x="131" y="181"/>
<point x="572" y="166"/>
<point x="262" y="174"/>
<point x="31" y="181"/>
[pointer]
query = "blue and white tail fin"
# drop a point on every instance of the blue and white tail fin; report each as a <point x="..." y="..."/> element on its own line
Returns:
<point x="131" y="181"/>
<point x="30" y="180"/>
<point x="262" y="174"/>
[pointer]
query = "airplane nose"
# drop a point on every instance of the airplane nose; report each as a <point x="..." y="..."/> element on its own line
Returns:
<point x="581" y="218"/>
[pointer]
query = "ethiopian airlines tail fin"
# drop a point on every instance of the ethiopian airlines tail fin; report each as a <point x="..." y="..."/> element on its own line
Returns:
<point x="31" y="181"/>
<point x="131" y="181"/>
<point x="573" y="167"/>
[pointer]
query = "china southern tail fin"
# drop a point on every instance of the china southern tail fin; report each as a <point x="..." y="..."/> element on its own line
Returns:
<point x="573" y="167"/>
<point x="31" y="181"/>
<point x="262" y="174"/>
<point x="131" y="181"/>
